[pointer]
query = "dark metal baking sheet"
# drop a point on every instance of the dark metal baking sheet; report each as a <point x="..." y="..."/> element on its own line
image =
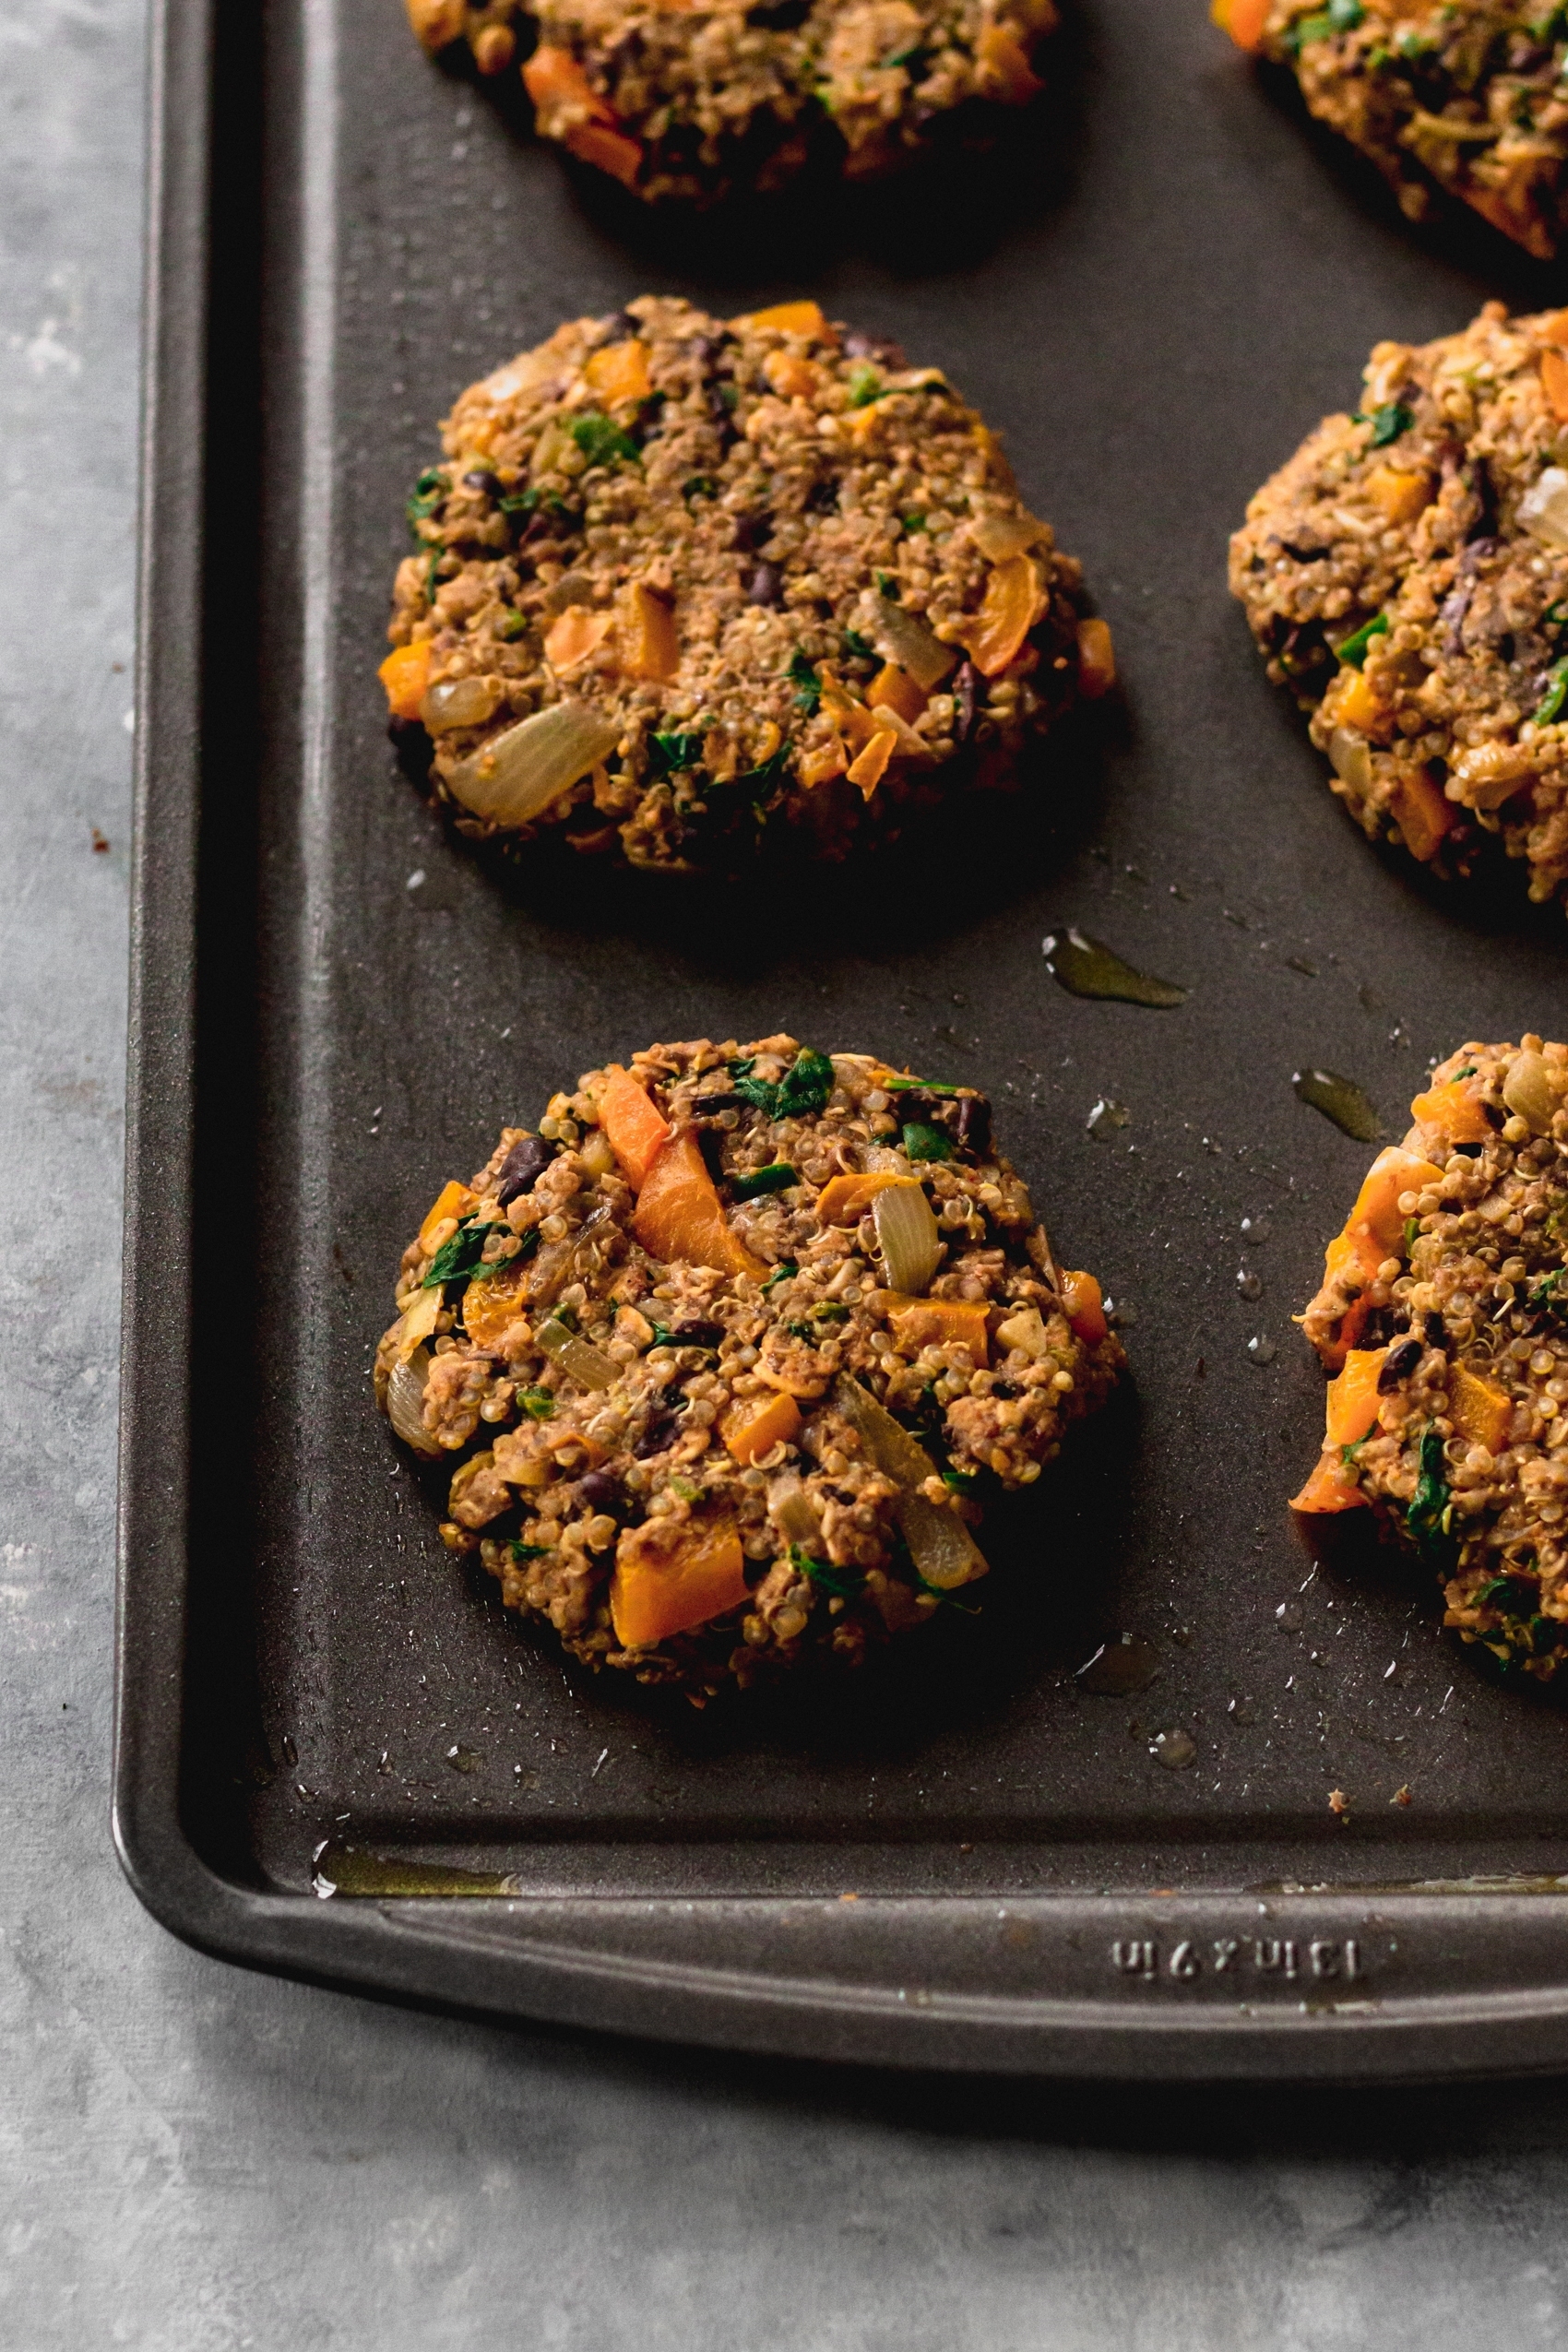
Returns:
<point x="1154" y="291"/>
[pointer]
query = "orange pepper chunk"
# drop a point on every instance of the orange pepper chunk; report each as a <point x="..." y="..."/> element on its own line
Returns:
<point x="1081" y="1304"/>
<point x="822" y="766"/>
<point x="1097" y="660"/>
<point x="940" y="1323"/>
<point x="493" y="1302"/>
<point x="452" y="1200"/>
<point x="868" y="768"/>
<point x="405" y="673"/>
<point x="554" y="79"/>
<point x="607" y="150"/>
<point x="619" y="371"/>
<point x="1013" y="602"/>
<point x="1455" y="1112"/>
<point x="1374" y="1231"/>
<point x="1402" y="496"/>
<point x="435" y="23"/>
<point x="899" y="692"/>
<point x="637" y="1132"/>
<point x="648" y="645"/>
<point x="1554" y="328"/>
<point x="573" y="635"/>
<point x="1005" y="73"/>
<point x="1423" y="811"/>
<point x="789" y="318"/>
<point x="681" y="1217"/>
<point x="754" y="1425"/>
<point x="1480" y="1408"/>
<point x="1244" y="20"/>
<point x="1351" y="1401"/>
<point x="844" y="1200"/>
<point x="791" y="379"/>
<point x="1356" y="702"/>
<point x="1332" y="1486"/>
<point x="673" y="1574"/>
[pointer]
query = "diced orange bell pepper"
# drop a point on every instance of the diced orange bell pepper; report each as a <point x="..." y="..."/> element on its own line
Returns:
<point x="1402" y="496"/>
<point x="1081" y="1301"/>
<point x="754" y="1425"/>
<point x="1352" y="1400"/>
<point x="647" y="644"/>
<point x="1374" y="1231"/>
<point x="608" y="151"/>
<point x="405" y="673"/>
<point x="673" y="1574"/>
<point x="791" y="377"/>
<point x="453" y="1200"/>
<point x="787" y="318"/>
<point x="1480" y="1408"/>
<point x="940" y="1323"/>
<point x="868" y="768"/>
<point x="1356" y="702"/>
<point x="1244" y="20"/>
<point x="1455" y="1112"/>
<point x="899" y="692"/>
<point x="435" y="23"/>
<point x="844" y="1200"/>
<point x="637" y="1132"/>
<point x="1554" y="328"/>
<point x="554" y="79"/>
<point x="822" y="766"/>
<point x="1013" y="602"/>
<point x="680" y="1216"/>
<point x="493" y="1302"/>
<point x="619" y="371"/>
<point x="1005" y="73"/>
<point x="1423" y="812"/>
<point x="1097" y="660"/>
<point x="573" y="635"/>
<point x="1332" y="1486"/>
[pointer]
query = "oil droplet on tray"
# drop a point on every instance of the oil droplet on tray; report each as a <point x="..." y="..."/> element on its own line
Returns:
<point x="1086" y="966"/>
<point x="1107" y="1116"/>
<point x="1249" y="1285"/>
<point x="1262" y="1351"/>
<point x="1174" y="1750"/>
<point x="1289" y="1617"/>
<point x="1340" y="1099"/>
<point x="1124" y="1664"/>
<point x="348" y="1870"/>
<point x="464" y="1759"/>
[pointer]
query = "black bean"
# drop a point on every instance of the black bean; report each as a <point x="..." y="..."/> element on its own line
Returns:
<point x="710" y="1143"/>
<point x="707" y="1104"/>
<point x="1004" y="1388"/>
<point x="658" y="1436"/>
<point x="619" y="327"/>
<point x="414" y="748"/>
<point x="1485" y="492"/>
<point x="974" y="1123"/>
<point x="599" y="1491"/>
<point x="1436" y="1331"/>
<point x="1398" y="1364"/>
<point x="766" y="585"/>
<point x="751" y="530"/>
<point x="966" y="687"/>
<point x="915" y="1108"/>
<point x="822" y="498"/>
<point x="522" y="1168"/>
<point x="490" y="484"/>
<point x="874" y="347"/>
<point x="698" y="1335"/>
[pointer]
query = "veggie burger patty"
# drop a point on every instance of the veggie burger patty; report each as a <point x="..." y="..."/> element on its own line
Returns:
<point x="1444" y="1318"/>
<point x="1406" y="574"/>
<point x="1463" y="95"/>
<point x="689" y="102"/>
<point x="742" y="1332"/>
<point x="685" y="589"/>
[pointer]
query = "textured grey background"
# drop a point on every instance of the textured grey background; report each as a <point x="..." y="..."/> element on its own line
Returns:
<point x="193" y="2159"/>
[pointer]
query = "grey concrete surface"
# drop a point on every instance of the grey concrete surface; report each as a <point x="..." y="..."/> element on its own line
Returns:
<point x="196" y="2160"/>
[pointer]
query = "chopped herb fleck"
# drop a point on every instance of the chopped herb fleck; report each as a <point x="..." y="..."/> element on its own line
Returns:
<point x="511" y="626"/>
<point x="1412" y="1232"/>
<point x="685" y="1489"/>
<point x="673" y="752"/>
<point x="912" y="522"/>
<point x="601" y="442"/>
<point x="700" y="486"/>
<point x="460" y="1255"/>
<point x="1388" y="422"/>
<point x="1354" y="649"/>
<point x="922" y="1142"/>
<point x="801" y="1092"/>
<point x="807" y="684"/>
<point x="1427" y="1518"/>
<point x="1555" y="696"/>
<point x="859" y="649"/>
<point x="529" y="1551"/>
<point x="537" y="1403"/>
<point x="845" y="1583"/>
<point x="780" y="1273"/>
<point x="865" y="382"/>
<point x="754" y="1181"/>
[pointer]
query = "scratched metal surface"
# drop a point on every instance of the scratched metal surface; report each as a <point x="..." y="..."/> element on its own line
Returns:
<point x="198" y="2159"/>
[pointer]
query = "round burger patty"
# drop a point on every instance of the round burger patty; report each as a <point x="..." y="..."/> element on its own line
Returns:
<point x="1444" y="1318"/>
<point x="1406" y="575"/>
<point x="693" y="102"/>
<point x="728" y="1354"/>
<point x="687" y="590"/>
<point x="1468" y="96"/>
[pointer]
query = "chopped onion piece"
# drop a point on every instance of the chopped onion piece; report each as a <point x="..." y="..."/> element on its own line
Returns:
<point x="418" y="1323"/>
<point x="513" y="777"/>
<point x="1352" y="760"/>
<point x="940" y="1546"/>
<point x="1000" y="536"/>
<point x="907" y="1236"/>
<point x="905" y="638"/>
<point x="791" y="1509"/>
<point x="459" y="702"/>
<point x="576" y="1357"/>
<point x="405" y="1401"/>
<point x="1527" y="1092"/>
<point x="1543" y="510"/>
